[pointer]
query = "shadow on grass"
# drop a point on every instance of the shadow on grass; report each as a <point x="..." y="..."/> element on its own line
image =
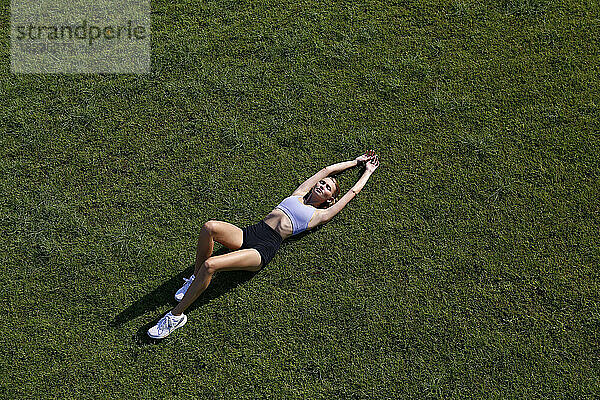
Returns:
<point x="221" y="283"/>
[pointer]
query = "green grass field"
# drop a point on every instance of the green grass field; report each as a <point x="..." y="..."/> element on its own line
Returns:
<point x="467" y="267"/>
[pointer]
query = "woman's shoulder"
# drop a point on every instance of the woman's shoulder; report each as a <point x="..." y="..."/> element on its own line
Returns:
<point x="299" y="193"/>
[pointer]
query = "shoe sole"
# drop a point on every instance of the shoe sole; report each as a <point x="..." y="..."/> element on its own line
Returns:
<point x="179" y="300"/>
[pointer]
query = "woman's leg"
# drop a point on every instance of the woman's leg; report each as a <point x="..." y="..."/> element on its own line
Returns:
<point x="246" y="259"/>
<point x="225" y="233"/>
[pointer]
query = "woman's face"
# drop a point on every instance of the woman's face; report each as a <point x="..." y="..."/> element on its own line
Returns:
<point x="324" y="188"/>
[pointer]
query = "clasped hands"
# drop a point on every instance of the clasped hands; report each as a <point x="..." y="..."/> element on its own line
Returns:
<point x="370" y="159"/>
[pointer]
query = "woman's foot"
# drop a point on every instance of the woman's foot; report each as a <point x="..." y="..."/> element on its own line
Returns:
<point x="182" y="290"/>
<point x="166" y="325"/>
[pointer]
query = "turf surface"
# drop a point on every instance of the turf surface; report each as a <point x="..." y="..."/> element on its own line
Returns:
<point x="468" y="266"/>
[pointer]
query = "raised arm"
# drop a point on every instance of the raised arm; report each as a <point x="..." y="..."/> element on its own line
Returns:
<point x="327" y="214"/>
<point x="331" y="170"/>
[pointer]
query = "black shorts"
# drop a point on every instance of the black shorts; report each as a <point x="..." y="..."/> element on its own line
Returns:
<point x="264" y="239"/>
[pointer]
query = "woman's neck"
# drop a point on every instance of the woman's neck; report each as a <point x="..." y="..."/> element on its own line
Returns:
<point x="311" y="200"/>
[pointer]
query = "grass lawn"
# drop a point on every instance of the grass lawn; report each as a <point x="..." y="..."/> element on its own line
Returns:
<point x="467" y="267"/>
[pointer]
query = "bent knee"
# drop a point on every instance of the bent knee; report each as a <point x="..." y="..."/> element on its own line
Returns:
<point x="210" y="266"/>
<point x="210" y="227"/>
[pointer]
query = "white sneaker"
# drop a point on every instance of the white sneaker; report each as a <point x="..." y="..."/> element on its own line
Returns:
<point x="166" y="325"/>
<point x="182" y="290"/>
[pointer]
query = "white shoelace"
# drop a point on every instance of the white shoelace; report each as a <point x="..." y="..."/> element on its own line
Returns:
<point x="166" y="320"/>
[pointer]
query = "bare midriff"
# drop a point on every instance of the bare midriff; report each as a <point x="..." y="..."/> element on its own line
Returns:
<point x="280" y="222"/>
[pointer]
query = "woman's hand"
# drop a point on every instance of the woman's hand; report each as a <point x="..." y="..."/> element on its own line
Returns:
<point x="372" y="164"/>
<point x="365" y="157"/>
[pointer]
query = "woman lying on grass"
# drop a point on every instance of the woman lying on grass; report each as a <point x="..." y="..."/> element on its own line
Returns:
<point x="312" y="203"/>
